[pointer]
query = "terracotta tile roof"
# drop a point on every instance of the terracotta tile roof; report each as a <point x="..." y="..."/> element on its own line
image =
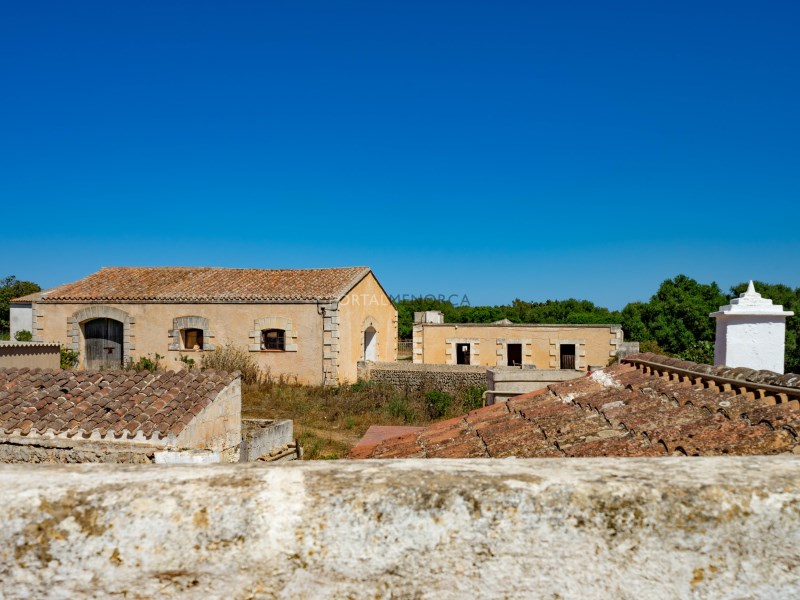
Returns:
<point x="111" y="404"/>
<point x="16" y="344"/>
<point x="629" y="409"/>
<point x="377" y="434"/>
<point x="205" y="284"/>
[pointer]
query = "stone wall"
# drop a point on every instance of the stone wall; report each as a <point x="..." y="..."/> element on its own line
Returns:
<point x="448" y="378"/>
<point x="57" y="451"/>
<point x="261" y="436"/>
<point x="547" y="528"/>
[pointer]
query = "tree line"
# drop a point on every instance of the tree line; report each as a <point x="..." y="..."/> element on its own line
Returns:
<point x="673" y="321"/>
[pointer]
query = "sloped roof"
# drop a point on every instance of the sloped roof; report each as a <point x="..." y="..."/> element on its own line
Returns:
<point x="629" y="409"/>
<point x="116" y="404"/>
<point x="205" y="284"/>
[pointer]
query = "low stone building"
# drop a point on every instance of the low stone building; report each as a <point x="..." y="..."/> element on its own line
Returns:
<point x="647" y="406"/>
<point x="513" y="344"/>
<point x="311" y="325"/>
<point x="55" y="416"/>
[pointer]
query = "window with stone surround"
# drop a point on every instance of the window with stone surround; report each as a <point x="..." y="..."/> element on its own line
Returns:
<point x="191" y="333"/>
<point x="273" y="339"/>
<point x="273" y="333"/>
<point x="192" y="339"/>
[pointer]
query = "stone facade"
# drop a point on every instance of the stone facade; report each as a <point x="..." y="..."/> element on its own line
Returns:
<point x="323" y="339"/>
<point x="595" y="345"/>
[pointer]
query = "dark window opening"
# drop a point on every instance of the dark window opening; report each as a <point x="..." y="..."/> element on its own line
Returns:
<point x="462" y="354"/>
<point x="567" y="356"/>
<point x="514" y="352"/>
<point x="192" y="339"/>
<point x="273" y="339"/>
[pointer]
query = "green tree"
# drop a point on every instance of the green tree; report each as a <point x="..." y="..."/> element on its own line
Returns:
<point x="677" y="315"/>
<point x="10" y="288"/>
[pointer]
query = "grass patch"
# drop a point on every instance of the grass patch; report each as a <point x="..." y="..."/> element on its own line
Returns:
<point x="329" y="421"/>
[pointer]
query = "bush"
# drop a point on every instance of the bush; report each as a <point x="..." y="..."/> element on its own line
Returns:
<point x="145" y="363"/>
<point x="472" y="397"/>
<point x="233" y="358"/>
<point x="398" y="408"/>
<point x="438" y="403"/>
<point x="69" y="358"/>
<point x="23" y="336"/>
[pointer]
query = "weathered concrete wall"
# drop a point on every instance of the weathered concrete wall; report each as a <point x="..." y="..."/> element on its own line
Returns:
<point x="437" y="529"/>
<point x="29" y="354"/>
<point x="510" y="380"/>
<point x="442" y="377"/>
<point x="260" y="436"/>
<point x="218" y="427"/>
<point x="21" y="317"/>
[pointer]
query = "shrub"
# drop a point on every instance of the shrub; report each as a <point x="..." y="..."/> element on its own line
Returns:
<point x="472" y="397"/>
<point x="187" y="360"/>
<point x="69" y="358"/>
<point x="398" y="408"/>
<point x="438" y="403"/>
<point x="23" y="336"/>
<point x="233" y="358"/>
<point x="145" y="363"/>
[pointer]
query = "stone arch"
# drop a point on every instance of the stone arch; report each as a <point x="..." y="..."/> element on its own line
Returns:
<point x="99" y="311"/>
<point x="283" y="323"/>
<point x="190" y="322"/>
<point x="370" y="339"/>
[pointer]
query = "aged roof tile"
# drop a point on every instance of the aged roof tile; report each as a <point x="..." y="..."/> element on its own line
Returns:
<point x="36" y="400"/>
<point x="651" y="406"/>
<point x="204" y="284"/>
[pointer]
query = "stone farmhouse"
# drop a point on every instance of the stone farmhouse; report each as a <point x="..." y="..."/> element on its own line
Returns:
<point x="646" y="406"/>
<point x="55" y="416"/>
<point x="312" y="325"/>
<point x="574" y="347"/>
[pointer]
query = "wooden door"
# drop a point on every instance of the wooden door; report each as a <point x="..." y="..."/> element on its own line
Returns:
<point x="567" y="356"/>
<point x="103" y="344"/>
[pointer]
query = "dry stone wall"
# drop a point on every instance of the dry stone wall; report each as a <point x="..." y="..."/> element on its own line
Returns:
<point x="447" y="378"/>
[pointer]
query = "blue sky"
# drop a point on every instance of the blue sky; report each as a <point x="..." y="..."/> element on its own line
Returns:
<point x="495" y="149"/>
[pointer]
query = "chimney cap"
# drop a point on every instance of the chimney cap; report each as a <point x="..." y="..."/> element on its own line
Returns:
<point x="751" y="302"/>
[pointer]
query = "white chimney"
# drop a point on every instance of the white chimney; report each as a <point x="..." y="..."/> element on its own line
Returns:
<point x="751" y="332"/>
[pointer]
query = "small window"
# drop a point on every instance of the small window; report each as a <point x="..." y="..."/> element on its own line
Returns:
<point x="192" y="339"/>
<point x="273" y="339"/>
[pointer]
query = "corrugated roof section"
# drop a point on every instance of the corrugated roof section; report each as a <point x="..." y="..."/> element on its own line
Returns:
<point x="207" y="284"/>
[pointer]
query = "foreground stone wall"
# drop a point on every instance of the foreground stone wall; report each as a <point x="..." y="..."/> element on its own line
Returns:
<point x="552" y="528"/>
<point x="448" y="378"/>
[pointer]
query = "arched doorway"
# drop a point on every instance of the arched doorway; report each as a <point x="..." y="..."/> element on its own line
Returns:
<point x="370" y="344"/>
<point x="103" y="344"/>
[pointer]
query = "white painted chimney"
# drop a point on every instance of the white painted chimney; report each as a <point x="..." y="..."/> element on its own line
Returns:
<point x="751" y="332"/>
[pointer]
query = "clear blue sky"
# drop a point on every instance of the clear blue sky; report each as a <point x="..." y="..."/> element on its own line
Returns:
<point x="495" y="149"/>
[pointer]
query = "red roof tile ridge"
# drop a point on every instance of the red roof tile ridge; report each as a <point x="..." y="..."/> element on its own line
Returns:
<point x="743" y="374"/>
